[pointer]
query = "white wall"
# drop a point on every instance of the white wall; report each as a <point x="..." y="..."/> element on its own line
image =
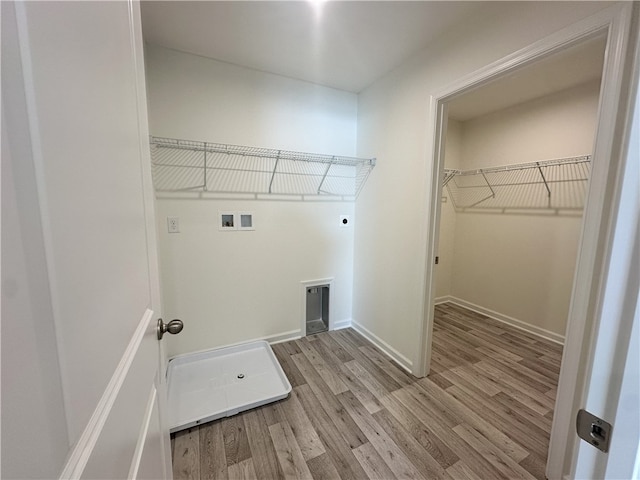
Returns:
<point x="192" y="97"/>
<point x="519" y="266"/>
<point x="554" y="126"/>
<point x="522" y="265"/>
<point x="393" y="119"/>
<point x="231" y="287"/>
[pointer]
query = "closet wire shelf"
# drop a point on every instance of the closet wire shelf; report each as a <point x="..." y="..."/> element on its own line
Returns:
<point x="559" y="184"/>
<point x="193" y="166"/>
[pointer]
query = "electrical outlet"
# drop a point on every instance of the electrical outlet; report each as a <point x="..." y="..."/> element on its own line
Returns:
<point x="173" y="225"/>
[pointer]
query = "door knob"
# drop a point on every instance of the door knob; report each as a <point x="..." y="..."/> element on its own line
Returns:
<point x="173" y="327"/>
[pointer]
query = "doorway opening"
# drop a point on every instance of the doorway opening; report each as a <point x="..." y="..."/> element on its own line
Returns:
<point x="585" y="291"/>
<point x="516" y="173"/>
<point x="517" y="161"/>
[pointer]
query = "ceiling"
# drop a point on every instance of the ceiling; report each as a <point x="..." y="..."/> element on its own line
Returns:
<point x="349" y="44"/>
<point x="341" y="44"/>
<point x="568" y="68"/>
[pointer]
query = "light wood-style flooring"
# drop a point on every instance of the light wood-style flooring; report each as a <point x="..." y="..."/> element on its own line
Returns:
<point x="484" y="412"/>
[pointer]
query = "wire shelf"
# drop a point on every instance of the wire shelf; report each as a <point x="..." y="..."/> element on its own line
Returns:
<point x="559" y="184"/>
<point x="186" y="165"/>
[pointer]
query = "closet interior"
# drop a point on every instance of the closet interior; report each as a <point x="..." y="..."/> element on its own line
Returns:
<point x="514" y="183"/>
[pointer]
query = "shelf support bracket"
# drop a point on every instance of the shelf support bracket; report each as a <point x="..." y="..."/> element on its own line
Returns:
<point x="546" y="185"/>
<point x="448" y="175"/>
<point x="273" y="174"/>
<point x="544" y="180"/>
<point x="326" y="171"/>
<point x="493" y="193"/>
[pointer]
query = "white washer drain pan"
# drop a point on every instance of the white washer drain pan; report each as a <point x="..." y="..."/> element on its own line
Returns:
<point x="223" y="382"/>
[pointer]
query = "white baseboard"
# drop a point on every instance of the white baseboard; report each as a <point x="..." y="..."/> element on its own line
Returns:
<point x="283" y="337"/>
<point x="342" y="324"/>
<point x="443" y="299"/>
<point x="514" y="322"/>
<point x="271" y="339"/>
<point x="388" y="350"/>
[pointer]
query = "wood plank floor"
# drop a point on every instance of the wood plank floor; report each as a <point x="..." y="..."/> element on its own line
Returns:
<point x="484" y="412"/>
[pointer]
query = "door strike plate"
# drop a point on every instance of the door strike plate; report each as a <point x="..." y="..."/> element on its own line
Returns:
<point x="593" y="430"/>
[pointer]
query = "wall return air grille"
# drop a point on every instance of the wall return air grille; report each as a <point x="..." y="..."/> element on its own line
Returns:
<point x="191" y="166"/>
<point x="556" y="186"/>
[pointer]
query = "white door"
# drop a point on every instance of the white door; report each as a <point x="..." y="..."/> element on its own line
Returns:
<point x="80" y="193"/>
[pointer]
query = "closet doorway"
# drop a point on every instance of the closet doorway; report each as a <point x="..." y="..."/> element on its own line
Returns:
<point x="517" y="162"/>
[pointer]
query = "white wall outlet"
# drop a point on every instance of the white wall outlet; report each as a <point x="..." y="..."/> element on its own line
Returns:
<point x="345" y="221"/>
<point x="173" y="224"/>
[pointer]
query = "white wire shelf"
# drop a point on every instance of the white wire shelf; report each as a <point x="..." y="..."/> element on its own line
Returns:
<point x="192" y="166"/>
<point x="559" y="184"/>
